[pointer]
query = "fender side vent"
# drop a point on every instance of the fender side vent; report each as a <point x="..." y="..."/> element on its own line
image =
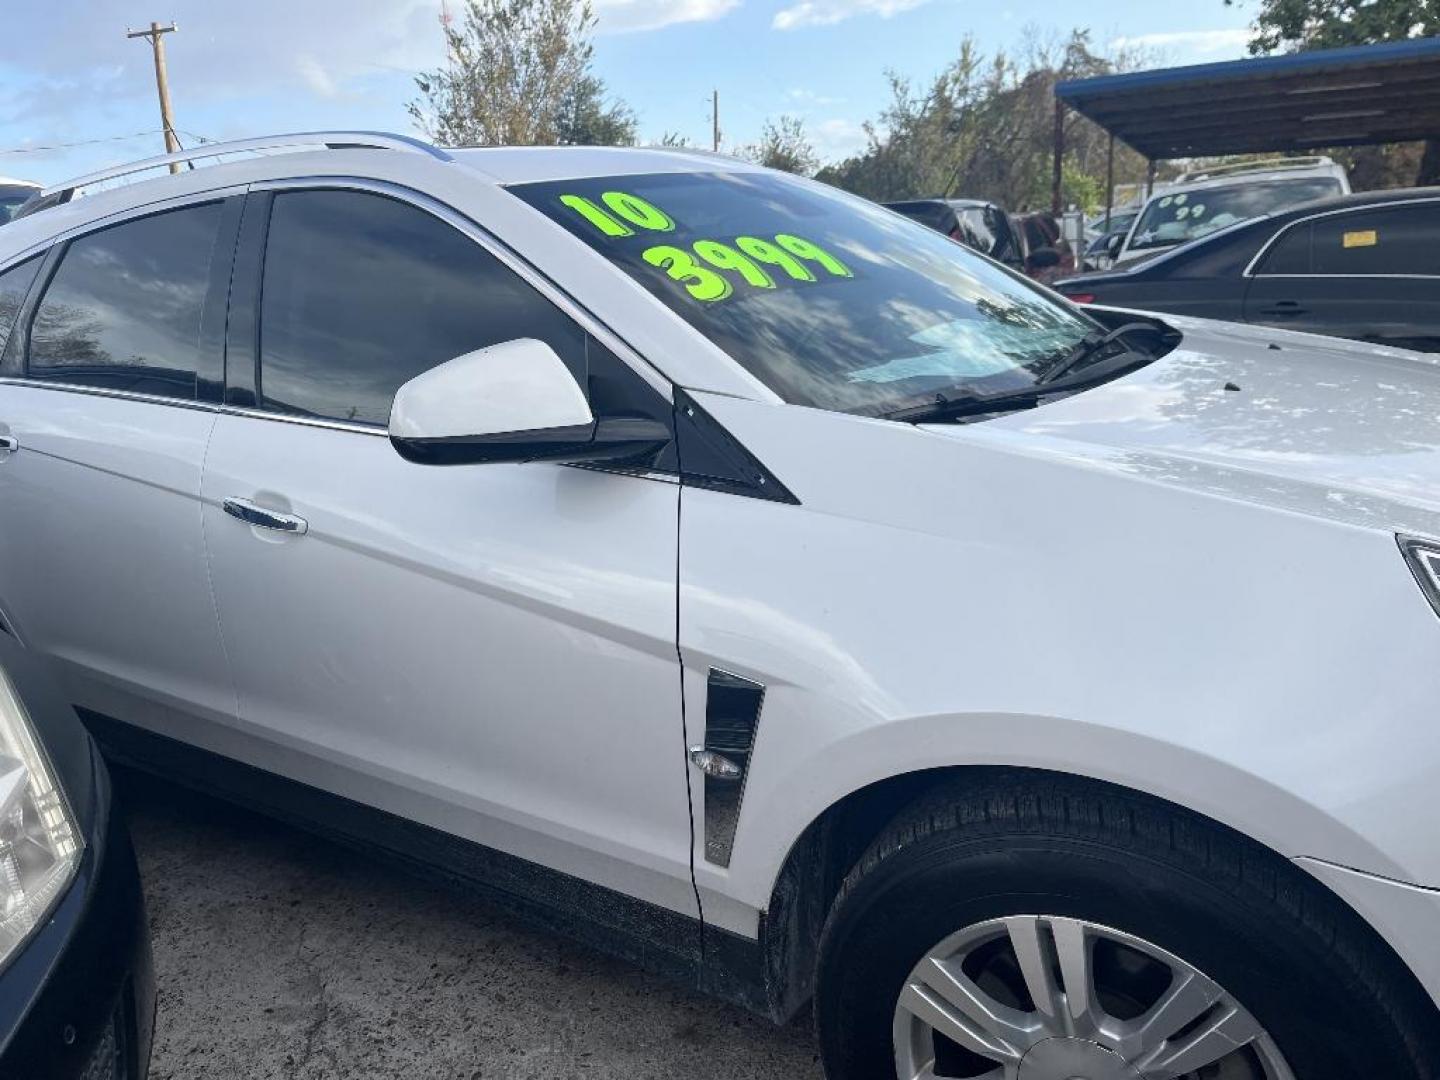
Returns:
<point x="732" y="714"/>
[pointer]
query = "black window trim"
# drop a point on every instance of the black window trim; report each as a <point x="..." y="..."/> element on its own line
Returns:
<point x="1250" y="270"/>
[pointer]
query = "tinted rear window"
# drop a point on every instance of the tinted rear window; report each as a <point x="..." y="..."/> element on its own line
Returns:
<point x="123" y="310"/>
<point x="1400" y="239"/>
<point x="14" y="284"/>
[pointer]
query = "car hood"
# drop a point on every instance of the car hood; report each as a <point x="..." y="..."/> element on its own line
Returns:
<point x="1304" y="423"/>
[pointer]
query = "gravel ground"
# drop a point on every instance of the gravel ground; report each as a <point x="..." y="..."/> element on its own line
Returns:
<point x="280" y="955"/>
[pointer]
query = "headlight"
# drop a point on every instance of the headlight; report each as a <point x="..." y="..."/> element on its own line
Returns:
<point x="1424" y="559"/>
<point x="39" y="841"/>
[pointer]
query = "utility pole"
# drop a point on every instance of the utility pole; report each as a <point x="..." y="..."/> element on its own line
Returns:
<point x="156" y="34"/>
<point x="446" y="20"/>
<point x="715" y="120"/>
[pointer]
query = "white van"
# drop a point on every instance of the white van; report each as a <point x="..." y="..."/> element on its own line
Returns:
<point x="1200" y="202"/>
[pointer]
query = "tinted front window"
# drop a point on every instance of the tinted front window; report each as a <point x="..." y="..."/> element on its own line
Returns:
<point x="14" y="284"/>
<point x="123" y="310"/>
<point x="829" y="300"/>
<point x="362" y="293"/>
<point x="1175" y="218"/>
<point x="1403" y="239"/>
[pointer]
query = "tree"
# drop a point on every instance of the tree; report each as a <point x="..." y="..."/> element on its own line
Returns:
<point x="585" y="118"/>
<point x="783" y="145"/>
<point x="985" y="129"/>
<point x="519" y="74"/>
<point x="1297" y="25"/>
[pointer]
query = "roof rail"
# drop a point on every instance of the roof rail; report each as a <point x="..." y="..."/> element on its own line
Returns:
<point x="1267" y="165"/>
<point x="333" y="140"/>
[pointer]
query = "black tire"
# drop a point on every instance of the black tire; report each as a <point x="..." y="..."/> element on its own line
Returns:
<point x="1334" y="998"/>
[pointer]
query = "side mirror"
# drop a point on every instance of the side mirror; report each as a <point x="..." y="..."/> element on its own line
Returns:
<point x="515" y="402"/>
<point x="1113" y="245"/>
<point x="1043" y="258"/>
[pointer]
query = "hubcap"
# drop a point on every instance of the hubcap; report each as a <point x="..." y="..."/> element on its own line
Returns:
<point x="1038" y="997"/>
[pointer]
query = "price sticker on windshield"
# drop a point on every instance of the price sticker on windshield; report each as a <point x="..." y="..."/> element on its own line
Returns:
<point x="1360" y="238"/>
<point x="709" y="270"/>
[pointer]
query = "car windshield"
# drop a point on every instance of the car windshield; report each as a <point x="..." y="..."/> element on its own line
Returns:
<point x="1171" y="219"/>
<point x="827" y="299"/>
<point x="11" y="199"/>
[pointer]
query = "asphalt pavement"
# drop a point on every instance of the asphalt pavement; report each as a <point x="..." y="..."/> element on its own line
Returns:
<point x="282" y="956"/>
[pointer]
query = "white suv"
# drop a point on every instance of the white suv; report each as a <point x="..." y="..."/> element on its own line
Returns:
<point x="760" y="585"/>
<point x="1199" y="203"/>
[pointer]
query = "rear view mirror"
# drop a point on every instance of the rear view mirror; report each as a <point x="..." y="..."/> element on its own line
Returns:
<point x="515" y="401"/>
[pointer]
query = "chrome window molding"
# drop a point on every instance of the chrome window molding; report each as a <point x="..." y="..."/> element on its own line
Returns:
<point x="187" y="403"/>
<point x="1249" y="271"/>
<point x="512" y="259"/>
<point x="106" y="392"/>
<point x="305" y="421"/>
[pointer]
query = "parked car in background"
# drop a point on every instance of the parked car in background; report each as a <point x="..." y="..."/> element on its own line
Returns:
<point x="76" y="990"/>
<point x="1031" y="243"/>
<point x="1100" y="236"/>
<point x="1199" y="203"/>
<point x="762" y="587"/>
<point x="1364" y="266"/>
<point x="13" y="195"/>
<point x="987" y="228"/>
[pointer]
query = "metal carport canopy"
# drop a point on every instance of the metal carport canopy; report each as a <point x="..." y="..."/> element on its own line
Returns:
<point x="1299" y="101"/>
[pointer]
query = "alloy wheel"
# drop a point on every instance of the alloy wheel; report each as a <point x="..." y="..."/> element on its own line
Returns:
<point x="1037" y="997"/>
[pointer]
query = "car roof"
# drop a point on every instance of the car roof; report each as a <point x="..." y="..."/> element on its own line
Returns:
<point x="7" y="181"/>
<point x="530" y="164"/>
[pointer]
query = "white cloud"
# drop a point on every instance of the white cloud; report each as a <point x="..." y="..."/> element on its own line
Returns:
<point x="1203" y="42"/>
<point x="623" y="16"/>
<point x="224" y="51"/>
<point x="837" y="138"/>
<point x="809" y="98"/>
<point x="828" y="12"/>
<point x="316" y="77"/>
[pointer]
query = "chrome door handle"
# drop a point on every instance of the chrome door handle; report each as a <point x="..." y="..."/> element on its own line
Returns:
<point x="9" y="444"/>
<point x="261" y="518"/>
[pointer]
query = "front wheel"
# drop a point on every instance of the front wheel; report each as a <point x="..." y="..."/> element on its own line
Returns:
<point x="1047" y="929"/>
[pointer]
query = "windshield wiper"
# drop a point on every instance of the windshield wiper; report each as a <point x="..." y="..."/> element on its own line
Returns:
<point x="1088" y="346"/>
<point x="970" y="404"/>
<point x="947" y="408"/>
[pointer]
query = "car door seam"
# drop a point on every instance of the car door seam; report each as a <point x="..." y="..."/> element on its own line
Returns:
<point x="210" y="569"/>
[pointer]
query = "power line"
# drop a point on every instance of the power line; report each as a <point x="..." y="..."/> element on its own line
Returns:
<point x="85" y="142"/>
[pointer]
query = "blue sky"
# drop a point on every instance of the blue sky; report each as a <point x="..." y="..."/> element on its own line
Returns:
<point x="68" y="74"/>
